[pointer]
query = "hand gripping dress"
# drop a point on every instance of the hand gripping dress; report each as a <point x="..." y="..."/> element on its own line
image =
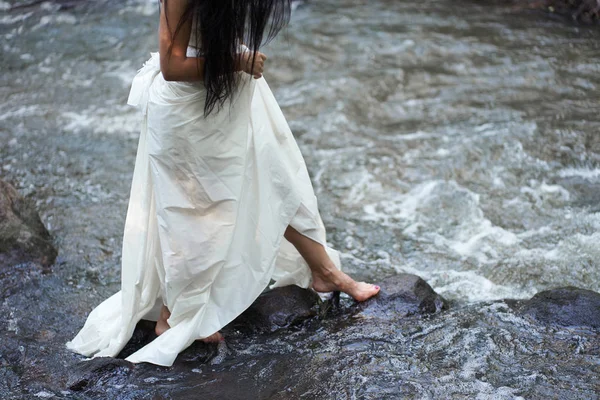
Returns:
<point x="210" y="201"/>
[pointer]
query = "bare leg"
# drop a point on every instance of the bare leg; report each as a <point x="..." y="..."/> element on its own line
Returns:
<point x="162" y="326"/>
<point x="326" y="276"/>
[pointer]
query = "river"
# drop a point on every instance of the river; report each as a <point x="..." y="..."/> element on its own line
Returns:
<point x="455" y="140"/>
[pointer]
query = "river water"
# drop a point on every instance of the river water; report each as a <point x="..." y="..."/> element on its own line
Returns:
<point x="456" y="140"/>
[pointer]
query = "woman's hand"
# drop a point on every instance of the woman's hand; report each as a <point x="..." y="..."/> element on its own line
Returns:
<point x="248" y="67"/>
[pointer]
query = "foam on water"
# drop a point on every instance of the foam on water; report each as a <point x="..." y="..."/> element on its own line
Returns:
<point x="63" y="18"/>
<point x="19" y="112"/>
<point x="11" y="19"/>
<point x="446" y="215"/>
<point x="146" y="8"/>
<point x="541" y="193"/>
<point x="586" y="173"/>
<point x="110" y="121"/>
<point x="481" y="261"/>
<point x="468" y="286"/>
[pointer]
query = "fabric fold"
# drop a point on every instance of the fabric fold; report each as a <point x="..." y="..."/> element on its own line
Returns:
<point x="140" y="86"/>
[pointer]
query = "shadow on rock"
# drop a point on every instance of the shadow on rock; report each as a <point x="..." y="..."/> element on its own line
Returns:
<point x="142" y="335"/>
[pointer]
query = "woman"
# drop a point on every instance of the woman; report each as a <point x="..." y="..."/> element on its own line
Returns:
<point x="221" y="201"/>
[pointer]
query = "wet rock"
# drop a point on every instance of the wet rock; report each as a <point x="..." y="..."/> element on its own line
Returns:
<point x="403" y="295"/>
<point x="566" y="306"/>
<point x="582" y="10"/>
<point x="101" y="371"/>
<point x="23" y="237"/>
<point x="277" y="308"/>
<point x="14" y="278"/>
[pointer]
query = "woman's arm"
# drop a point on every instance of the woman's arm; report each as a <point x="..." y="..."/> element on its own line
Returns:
<point x="177" y="66"/>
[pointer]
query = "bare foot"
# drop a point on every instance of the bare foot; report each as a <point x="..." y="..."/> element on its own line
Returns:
<point x="331" y="279"/>
<point x="214" y="338"/>
<point x="162" y="326"/>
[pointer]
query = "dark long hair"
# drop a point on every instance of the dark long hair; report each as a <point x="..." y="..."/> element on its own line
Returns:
<point x="220" y="25"/>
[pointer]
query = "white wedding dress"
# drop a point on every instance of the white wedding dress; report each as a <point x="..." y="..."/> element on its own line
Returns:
<point x="210" y="201"/>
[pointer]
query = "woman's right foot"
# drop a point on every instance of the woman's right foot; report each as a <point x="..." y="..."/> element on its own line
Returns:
<point x="330" y="279"/>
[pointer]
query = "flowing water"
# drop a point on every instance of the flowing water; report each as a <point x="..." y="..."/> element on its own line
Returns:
<point x="456" y="140"/>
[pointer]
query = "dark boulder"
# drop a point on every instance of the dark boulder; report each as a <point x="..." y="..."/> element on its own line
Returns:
<point x="403" y="295"/>
<point x="23" y="237"/>
<point x="277" y="308"/>
<point x="566" y="306"/>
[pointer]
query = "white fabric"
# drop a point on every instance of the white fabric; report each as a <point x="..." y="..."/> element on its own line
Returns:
<point x="210" y="201"/>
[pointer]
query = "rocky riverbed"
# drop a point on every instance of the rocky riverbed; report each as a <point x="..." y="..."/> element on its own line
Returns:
<point x="456" y="143"/>
<point x="404" y="343"/>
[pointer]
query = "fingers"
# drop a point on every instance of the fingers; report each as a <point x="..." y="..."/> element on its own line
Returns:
<point x="261" y="56"/>
<point x="259" y="65"/>
<point x="255" y="64"/>
<point x="258" y="71"/>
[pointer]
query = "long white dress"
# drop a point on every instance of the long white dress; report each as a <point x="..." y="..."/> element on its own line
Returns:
<point x="210" y="201"/>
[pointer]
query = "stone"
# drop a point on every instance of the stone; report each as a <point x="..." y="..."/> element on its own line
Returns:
<point x="277" y="308"/>
<point x="403" y="295"/>
<point x="100" y="371"/>
<point x="23" y="236"/>
<point x="565" y="306"/>
<point x="579" y="10"/>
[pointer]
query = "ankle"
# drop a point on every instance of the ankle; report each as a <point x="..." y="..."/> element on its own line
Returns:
<point x="164" y="313"/>
<point x="326" y="270"/>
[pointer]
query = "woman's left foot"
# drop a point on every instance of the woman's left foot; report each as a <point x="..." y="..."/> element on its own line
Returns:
<point x="214" y="338"/>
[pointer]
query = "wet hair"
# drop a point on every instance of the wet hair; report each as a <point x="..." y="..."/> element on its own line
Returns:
<point x="219" y="26"/>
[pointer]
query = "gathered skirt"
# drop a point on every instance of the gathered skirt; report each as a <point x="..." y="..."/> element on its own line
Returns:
<point x="210" y="200"/>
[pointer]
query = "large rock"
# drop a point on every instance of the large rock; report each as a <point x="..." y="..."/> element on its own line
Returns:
<point x="403" y="295"/>
<point x="566" y="306"/>
<point x="23" y="237"/>
<point x="277" y="308"/>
